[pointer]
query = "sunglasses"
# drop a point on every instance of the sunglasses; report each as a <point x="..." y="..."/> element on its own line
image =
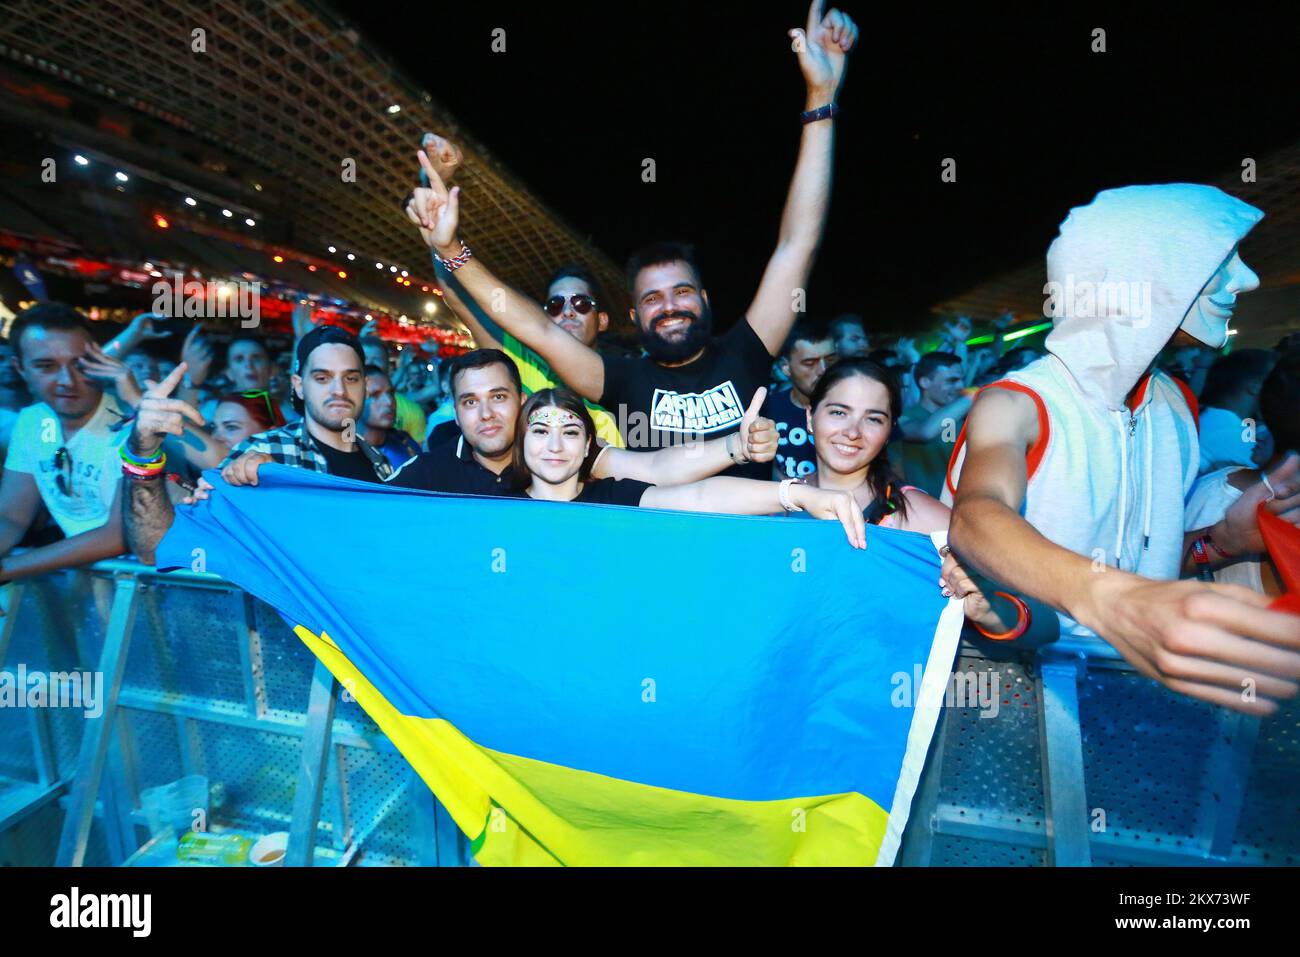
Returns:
<point x="63" y="464"/>
<point x="582" y="304"/>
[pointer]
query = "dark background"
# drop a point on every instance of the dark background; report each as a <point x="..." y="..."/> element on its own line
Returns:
<point x="1035" y="120"/>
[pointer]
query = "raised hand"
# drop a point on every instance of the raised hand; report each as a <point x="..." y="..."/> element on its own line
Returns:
<point x="445" y="155"/>
<point x="823" y="47"/>
<point x="99" y="365"/>
<point x="758" y="436"/>
<point x="197" y="355"/>
<point x="436" y="210"/>
<point x="160" y="415"/>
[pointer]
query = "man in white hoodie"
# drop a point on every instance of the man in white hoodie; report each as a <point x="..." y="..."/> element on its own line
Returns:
<point x="1072" y="474"/>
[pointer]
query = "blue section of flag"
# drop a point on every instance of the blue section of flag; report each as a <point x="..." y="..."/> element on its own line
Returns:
<point x="748" y="658"/>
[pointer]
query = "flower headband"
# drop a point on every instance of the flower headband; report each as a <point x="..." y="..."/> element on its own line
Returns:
<point x="553" y="415"/>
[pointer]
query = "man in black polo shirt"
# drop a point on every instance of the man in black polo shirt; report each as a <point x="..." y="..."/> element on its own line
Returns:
<point x="486" y="392"/>
<point x="690" y="384"/>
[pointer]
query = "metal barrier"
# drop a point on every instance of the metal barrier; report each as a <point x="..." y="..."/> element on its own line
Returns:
<point x="1076" y="761"/>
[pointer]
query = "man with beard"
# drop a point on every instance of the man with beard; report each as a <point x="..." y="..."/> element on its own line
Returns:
<point x="330" y="391"/>
<point x="689" y="384"/>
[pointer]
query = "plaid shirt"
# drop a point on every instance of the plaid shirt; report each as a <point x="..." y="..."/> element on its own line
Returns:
<point x="293" y="445"/>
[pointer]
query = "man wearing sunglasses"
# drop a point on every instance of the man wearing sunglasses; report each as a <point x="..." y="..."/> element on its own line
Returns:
<point x="64" y="448"/>
<point x="573" y="301"/>
<point x="689" y="384"/>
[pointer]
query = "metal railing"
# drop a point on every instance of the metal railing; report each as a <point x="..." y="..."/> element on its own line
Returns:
<point x="1076" y="761"/>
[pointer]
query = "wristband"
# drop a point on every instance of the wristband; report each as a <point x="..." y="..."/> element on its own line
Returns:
<point x="1215" y="545"/>
<point x="451" y="265"/>
<point x="131" y="470"/>
<point x="827" y="112"/>
<point x="126" y="455"/>
<point x="783" y="494"/>
<point x="1018" y="629"/>
<point x="736" y="456"/>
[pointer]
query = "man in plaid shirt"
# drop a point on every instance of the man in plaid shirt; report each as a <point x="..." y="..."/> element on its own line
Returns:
<point x="330" y="391"/>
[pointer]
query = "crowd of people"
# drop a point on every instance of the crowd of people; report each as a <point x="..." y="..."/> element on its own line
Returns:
<point x="1102" y="484"/>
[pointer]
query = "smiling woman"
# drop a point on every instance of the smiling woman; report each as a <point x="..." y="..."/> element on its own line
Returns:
<point x="555" y="452"/>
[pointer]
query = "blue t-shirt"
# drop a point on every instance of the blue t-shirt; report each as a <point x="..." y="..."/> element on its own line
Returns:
<point x="795" y="455"/>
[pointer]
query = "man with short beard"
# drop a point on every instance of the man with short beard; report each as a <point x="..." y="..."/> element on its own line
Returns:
<point x="689" y="384"/>
<point x="330" y="391"/>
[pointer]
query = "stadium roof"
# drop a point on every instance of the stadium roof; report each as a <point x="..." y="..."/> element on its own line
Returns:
<point x="280" y="96"/>
<point x="1272" y="249"/>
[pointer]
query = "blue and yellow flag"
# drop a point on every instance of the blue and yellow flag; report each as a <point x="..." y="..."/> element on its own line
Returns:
<point x="588" y="684"/>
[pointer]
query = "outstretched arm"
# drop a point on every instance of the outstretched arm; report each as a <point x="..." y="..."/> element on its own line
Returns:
<point x="738" y="496"/>
<point x="1215" y="642"/>
<point x="436" y="210"/>
<point x="148" y="509"/>
<point x="822" y="47"/>
<point x="756" y="441"/>
<point x="82" y="549"/>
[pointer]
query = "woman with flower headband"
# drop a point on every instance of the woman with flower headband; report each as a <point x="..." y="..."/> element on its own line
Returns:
<point x="555" y="451"/>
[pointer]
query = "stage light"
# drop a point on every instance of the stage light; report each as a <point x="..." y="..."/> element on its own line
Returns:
<point x="429" y="307"/>
<point x="342" y="274"/>
<point x="392" y="269"/>
<point x="257" y="186"/>
<point x="351" y="257"/>
<point x="311" y="268"/>
<point x="369" y="317"/>
<point x="81" y="160"/>
<point x="227" y="213"/>
<point x="379" y="265"/>
<point x="332" y="249"/>
<point x="406" y="282"/>
<point x="121" y="177"/>
<point x="191" y="201"/>
<point x="395" y="108"/>
<point x="278" y="259"/>
<point x="405" y="273"/>
<point x="250" y="222"/>
<point x="161" y="222"/>
<point x="424" y="288"/>
<point x="147" y="266"/>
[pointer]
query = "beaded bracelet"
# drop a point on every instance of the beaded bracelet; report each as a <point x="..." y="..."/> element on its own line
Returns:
<point x="457" y="261"/>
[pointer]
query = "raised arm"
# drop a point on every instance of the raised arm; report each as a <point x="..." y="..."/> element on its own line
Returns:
<point x="1208" y="641"/>
<point x="755" y="441"/>
<point x="822" y="47"/>
<point x="436" y="210"/>
<point x="929" y="429"/>
<point x="739" y="496"/>
<point x="148" y="511"/>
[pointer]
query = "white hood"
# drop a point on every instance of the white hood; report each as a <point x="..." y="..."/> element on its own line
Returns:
<point x="1124" y="272"/>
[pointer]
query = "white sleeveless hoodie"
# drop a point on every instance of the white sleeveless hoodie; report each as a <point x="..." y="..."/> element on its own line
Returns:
<point x="1107" y="480"/>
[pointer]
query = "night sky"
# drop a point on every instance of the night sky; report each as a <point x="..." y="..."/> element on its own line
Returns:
<point x="1035" y="120"/>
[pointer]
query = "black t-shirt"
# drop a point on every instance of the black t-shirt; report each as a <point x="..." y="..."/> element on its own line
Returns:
<point x="796" y="457"/>
<point x="607" y="492"/>
<point x="353" y="465"/>
<point x="656" y="406"/>
<point x="447" y="431"/>
<point x="451" y="467"/>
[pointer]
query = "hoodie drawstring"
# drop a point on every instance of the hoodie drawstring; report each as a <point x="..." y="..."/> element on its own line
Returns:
<point x="1123" y="488"/>
<point x="1150" y="490"/>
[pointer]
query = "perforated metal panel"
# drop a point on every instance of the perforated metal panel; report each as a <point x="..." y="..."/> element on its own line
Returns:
<point x="1168" y="779"/>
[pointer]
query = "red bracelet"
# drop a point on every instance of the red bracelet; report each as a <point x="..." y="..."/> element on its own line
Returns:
<point x="1021" y="625"/>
